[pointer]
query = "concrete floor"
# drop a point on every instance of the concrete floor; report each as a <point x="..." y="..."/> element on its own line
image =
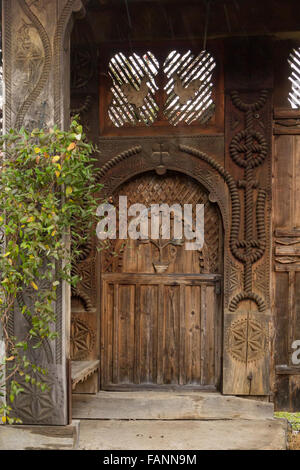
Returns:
<point x="183" y="435"/>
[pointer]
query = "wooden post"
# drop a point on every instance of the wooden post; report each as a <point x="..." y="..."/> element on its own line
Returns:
<point x="36" y="37"/>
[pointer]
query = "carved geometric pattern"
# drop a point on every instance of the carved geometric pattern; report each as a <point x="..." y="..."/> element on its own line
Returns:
<point x="34" y="406"/>
<point x="85" y="289"/>
<point x="189" y="87"/>
<point x="234" y="277"/>
<point x="82" y="339"/>
<point x="260" y="278"/>
<point x="247" y="340"/>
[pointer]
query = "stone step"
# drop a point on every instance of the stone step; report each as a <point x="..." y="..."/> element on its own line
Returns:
<point x="168" y="406"/>
<point x="263" y="434"/>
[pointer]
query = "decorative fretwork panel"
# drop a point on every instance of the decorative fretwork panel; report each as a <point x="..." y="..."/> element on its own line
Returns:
<point x="189" y="87"/>
<point x="133" y="90"/>
<point x="294" y="95"/>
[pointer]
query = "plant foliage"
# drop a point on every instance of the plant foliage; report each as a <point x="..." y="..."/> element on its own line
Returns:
<point x="48" y="188"/>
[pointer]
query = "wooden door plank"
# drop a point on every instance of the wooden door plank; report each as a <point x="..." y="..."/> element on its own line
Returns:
<point x="193" y="335"/>
<point x="182" y="339"/>
<point x="147" y="333"/>
<point x="126" y="342"/>
<point x="115" y="375"/>
<point x="203" y="333"/>
<point x="137" y="335"/>
<point x="210" y="337"/>
<point x="160" y="333"/>
<point x="171" y="335"/>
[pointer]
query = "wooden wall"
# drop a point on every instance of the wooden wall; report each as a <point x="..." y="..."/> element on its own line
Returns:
<point x="269" y="58"/>
<point x="286" y="246"/>
<point x="286" y="234"/>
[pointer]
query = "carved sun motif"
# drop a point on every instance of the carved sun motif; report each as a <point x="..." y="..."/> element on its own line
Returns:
<point x="82" y="339"/>
<point x="247" y="340"/>
<point x="35" y="405"/>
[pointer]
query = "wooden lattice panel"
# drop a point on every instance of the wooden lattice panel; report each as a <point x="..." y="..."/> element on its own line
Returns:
<point x="294" y="95"/>
<point x="189" y="87"/>
<point x="133" y="89"/>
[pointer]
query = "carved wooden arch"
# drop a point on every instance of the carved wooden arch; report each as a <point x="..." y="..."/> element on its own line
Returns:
<point x="118" y="170"/>
<point x="197" y="165"/>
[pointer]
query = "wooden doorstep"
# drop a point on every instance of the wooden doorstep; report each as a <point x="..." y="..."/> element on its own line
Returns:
<point x="81" y="370"/>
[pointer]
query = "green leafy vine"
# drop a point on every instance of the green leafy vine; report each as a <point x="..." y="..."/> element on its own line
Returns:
<point x="48" y="186"/>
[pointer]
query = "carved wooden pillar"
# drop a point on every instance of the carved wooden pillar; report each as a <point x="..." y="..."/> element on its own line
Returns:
<point x="36" y="94"/>
<point x="247" y="314"/>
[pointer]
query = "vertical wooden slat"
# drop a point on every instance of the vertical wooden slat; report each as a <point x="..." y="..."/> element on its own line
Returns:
<point x="182" y="339"/>
<point x="193" y="335"/>
<point x="171" y="335"/>
<point x="137" y="335"/>
<point x="104" y="334"/>
<point x="160" y="333"/>
<point x="154" y="326"/>
<point x="218" y="335"/>
<point x="203" y="333"/>
<point x="148" y="333"/>
<point x="292" y="313"/>
<point x="296" y="221"/>
<point x="210" y="336"/>
<point x="126" y="320"/>
<point x="116" y="334"/>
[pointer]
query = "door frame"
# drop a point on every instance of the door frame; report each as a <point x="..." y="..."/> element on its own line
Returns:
<point x="191" y="162"/>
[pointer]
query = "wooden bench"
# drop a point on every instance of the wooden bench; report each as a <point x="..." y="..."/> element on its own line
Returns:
<point x="82" y="370"/>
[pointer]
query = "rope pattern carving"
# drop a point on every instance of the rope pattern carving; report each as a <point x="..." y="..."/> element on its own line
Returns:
<point x="234" y="195"/>
<point x="7" y="66"/>
<point x="248" y="149"/>
<point x="83" y="108"/>
<point x="58" y="47"/>
<point x="117" y="159"/>
<point x="86" y="250"/>
<point x="46" y="67"/>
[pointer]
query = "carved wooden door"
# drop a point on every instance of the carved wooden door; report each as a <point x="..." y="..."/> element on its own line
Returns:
<point x="161" y="313"/>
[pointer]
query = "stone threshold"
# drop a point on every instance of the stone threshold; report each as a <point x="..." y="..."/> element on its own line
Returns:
<point x="36" y="437"/>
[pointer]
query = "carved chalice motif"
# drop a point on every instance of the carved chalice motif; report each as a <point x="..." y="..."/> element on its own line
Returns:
<point x="161" y="244"/>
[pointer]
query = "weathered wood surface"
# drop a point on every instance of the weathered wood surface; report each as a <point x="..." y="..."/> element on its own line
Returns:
<point x="82" y="370"/>
<point x="287" y="370"/>
<point x="248" y="152"/>
<point x="161" y="318"/>
<point x="286" y="249"/>
<point x="35" y="43"/>
<point x="168" y="405"/>
<point x="159" y="333"/>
